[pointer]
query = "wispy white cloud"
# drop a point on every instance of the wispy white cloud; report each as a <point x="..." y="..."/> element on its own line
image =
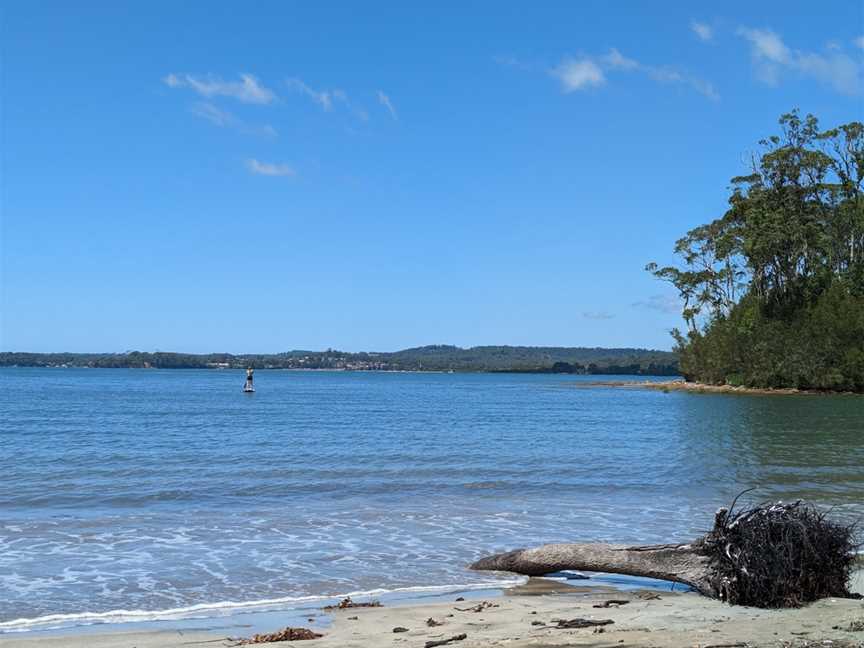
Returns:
<point x="263" y="129"/>
<point x="269" y="169"/>
<point x="617" y="61"/>
<point x="859" y="42"/>
<point x="328" y="100"/>
<point x="662" y="74"/>
<point x="323" y="98"/>
<point x="579" y="74"/>
<point x="703" y="87"/>
<point x="840" y="71"/>
<point x="384" y="100"/>
<point x="225" y="119"/>
<point x="703" y="30"/>
<point x="768" y="51"/>
<point x="772" y="58"/>
<point x="247" y="90"/>
<point x="213" y="114"/>
<point x="512" y="62"/>
<point x="598" y="315"/>
<point x="662" y="303"/>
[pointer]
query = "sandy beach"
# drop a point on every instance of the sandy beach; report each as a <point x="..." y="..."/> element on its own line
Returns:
<point x="528" y="617"/>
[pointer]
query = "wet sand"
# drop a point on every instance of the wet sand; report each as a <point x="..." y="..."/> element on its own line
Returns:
<point x="526" y="617"/>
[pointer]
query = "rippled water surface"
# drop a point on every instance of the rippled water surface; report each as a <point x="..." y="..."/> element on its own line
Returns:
<point x="152" y="490"/>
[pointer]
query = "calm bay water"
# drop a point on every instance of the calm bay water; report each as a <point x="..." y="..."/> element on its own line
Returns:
<point x="156" y="490"/>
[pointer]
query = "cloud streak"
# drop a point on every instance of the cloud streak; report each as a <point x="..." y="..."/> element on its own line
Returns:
<point x="578" y="74"/>
<point x="703" y="31"/>
<point x="661" y="74"/>
<point x="225" y="119"/>
<point x="598" y="315"/>
<point x="512" y="62"/>
<point x="323" y="98"/>
<point x="772" y="59"/>
<point x="591" y="72"/>
<point x="384" y="100"/>
<point x="213" y="114"/>
<point x="661" y="303"/>
<point x="268" y="169"/>
<point x="247" y="90"/>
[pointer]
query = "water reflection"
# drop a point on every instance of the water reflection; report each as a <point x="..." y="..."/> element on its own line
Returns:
<point x="787" y="447"/>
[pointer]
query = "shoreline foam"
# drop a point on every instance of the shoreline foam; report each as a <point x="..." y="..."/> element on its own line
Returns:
<point x="223" y="609"/>
<point x="524" y="617"/>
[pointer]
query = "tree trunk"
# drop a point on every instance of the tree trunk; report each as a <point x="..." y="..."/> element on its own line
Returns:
<point x="678" y="563"/>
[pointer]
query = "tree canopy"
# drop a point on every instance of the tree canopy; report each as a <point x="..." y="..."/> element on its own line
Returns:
<point x="773" y="290"/>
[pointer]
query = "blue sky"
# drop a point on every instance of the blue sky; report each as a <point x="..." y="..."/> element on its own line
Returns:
<point x="276" y="175"/>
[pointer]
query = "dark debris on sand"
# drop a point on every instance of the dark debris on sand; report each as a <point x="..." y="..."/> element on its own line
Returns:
<point x="347" y="604"/>
<point x="612" y="603"/>
<point x="566" y="624"/>
<point x="483" y="605"/>
<point x="286" y="634"/>
<point x="444" y="642"/>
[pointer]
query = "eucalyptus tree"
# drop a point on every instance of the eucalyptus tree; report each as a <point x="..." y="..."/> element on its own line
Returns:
<point x="793" y="229"/>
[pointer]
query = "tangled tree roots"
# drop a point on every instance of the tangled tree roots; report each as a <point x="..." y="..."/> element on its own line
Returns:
<point x="778" y="555"/>
<point x="771" y="555"/>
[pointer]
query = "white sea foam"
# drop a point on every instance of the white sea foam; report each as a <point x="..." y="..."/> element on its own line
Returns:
<point x="226" y="608"/>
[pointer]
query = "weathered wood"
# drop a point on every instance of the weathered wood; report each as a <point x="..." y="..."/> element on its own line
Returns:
<point x="770" y="555"/>
<point x="682" y="563"/>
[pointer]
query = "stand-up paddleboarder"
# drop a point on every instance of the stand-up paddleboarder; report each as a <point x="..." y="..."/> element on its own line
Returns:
<point x="248" y="386"/>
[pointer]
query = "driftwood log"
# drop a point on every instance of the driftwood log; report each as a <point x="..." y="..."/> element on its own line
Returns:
<point x="771" y="555"/>
<point x="679" y="563"/>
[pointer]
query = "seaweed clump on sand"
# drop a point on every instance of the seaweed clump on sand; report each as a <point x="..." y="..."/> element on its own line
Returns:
<point x="779" y="555"/>
<point x="286" y="634"/>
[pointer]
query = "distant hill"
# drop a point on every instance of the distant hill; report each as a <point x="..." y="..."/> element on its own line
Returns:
<point x="580" y="360"/>
<point x="521" y="358"/>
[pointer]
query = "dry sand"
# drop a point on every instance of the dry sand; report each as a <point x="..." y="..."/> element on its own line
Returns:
<point x="525" y="617"/>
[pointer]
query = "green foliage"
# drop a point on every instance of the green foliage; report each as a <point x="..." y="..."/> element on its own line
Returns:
<point x="773" y="290"/>
<point x="536" y="359"/>
<point x="817" y="346"/>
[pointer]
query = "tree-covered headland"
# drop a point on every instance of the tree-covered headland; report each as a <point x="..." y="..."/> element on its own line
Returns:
<point x="773" y="291"/>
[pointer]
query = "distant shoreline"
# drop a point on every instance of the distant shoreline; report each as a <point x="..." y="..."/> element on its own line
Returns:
<point x="539" y="371"/>
<point x="442" y="358"/>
